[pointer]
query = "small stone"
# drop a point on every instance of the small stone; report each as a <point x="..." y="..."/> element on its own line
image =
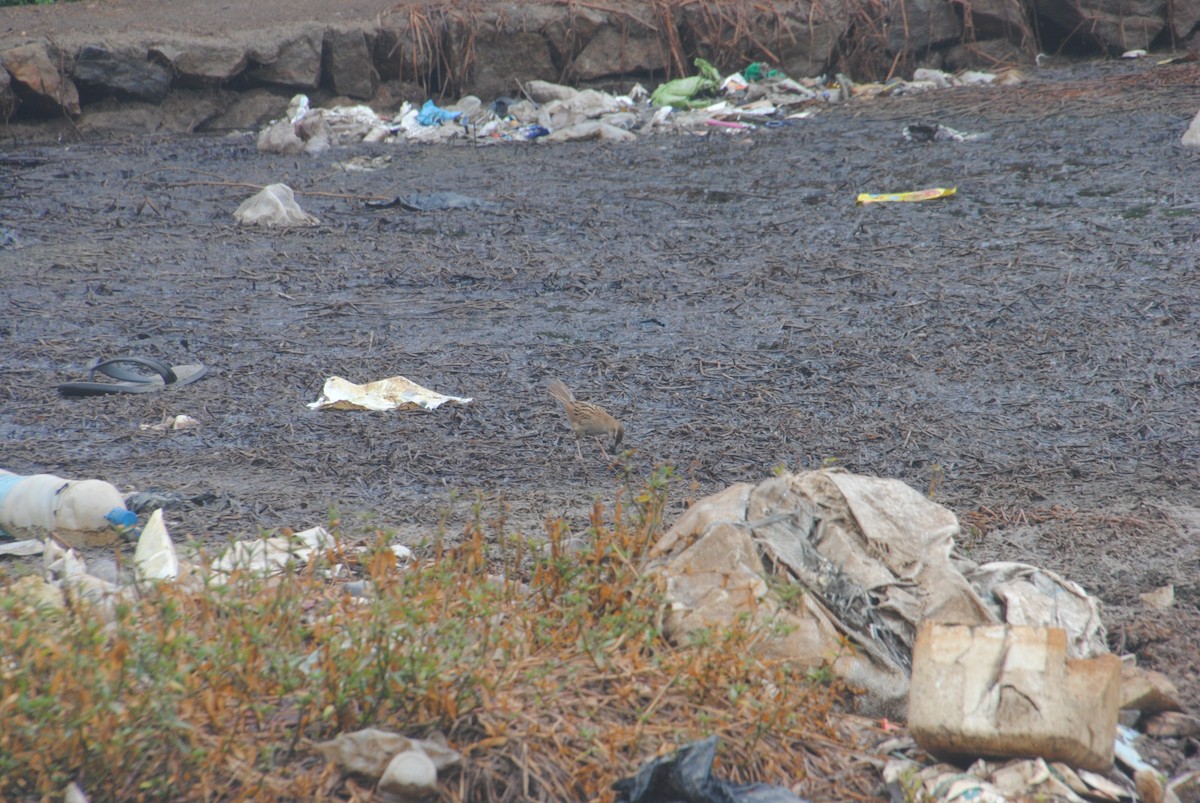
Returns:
<point x="1147" y="691"/>
<point x="1163" y="597"/>
<point x="1172" y="725"/>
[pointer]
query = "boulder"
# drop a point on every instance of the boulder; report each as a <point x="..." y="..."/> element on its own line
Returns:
<point x="1184" y="17"/>
<point x="38" y="81"/>
<point x="111" y="118"/>
<point x="999" y="19"/>
<point x="8" y="98"/>
<point x="201" y="62"/>
<point x="124" y="73"/>
<point x="295" y="63"/>
<point x="990" y="54"/>
<point x="348" y="64"/>
<point x="250" y="110"/>
<point x="808" y="35"/>
<point x="188" y="110"/>
<point x="567" y="33"/>
<point x="400" y="56"/>
<point x="504" y="59"/>
<point x="915" y="26"/>
<point x="625" y="47"/>
<point x="798" y="37"/>
<point x="1113" y="25"/>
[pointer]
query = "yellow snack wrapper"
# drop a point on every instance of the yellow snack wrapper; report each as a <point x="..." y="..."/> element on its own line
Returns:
<point x="919" y="195"/>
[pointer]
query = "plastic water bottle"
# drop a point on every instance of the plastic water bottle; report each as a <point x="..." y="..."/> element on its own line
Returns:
<point x="39" y="504"/>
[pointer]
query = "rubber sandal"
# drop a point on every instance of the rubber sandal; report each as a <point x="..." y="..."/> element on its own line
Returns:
<point x="154" y="377"/>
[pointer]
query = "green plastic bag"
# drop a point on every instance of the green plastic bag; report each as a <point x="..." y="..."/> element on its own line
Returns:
<point x="758" y="71"/>
<point x="682" y="93"/>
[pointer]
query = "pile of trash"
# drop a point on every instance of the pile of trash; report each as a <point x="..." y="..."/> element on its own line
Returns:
<point x="1003" y="667"/>
<point x="755" y="97"/>
<point x="1001" y="671"/>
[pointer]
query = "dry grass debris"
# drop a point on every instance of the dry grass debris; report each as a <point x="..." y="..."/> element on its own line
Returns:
<point x="545" y="667"/>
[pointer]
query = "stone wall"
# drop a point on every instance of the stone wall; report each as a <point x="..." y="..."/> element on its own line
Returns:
<point x="451" y="49"/>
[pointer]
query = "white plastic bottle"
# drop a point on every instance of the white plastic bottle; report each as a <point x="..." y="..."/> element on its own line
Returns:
<point x="39" y="504"/>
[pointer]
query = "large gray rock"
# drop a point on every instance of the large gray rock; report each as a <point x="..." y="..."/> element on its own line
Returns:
<point x="568" y="30"/>
<point x="401" y="56"/>
<point x="296" y="62"/>
<point x="110" y="117"/>
<point x="250" y="110"/>
<point x="202" y="62"/>
<point x="8" y="99"/>
<point x="348" y="64"/>
<point x="990" y="54"/>
<point x="624" y="47"/>
<point x="997" y="19"/>
<point x="915" y="26"/>
<point x="1113" y="25"/>
<point x="1185" y="15"/>
<point x="189" y="110"/>
<point x="125" y="73"/>
<point x="38" y="82"/>
<point x="502" y="58"/>
<point x="519" y="57"/>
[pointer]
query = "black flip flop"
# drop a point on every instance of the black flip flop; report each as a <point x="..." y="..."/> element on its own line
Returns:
<point x="157" y="376"/>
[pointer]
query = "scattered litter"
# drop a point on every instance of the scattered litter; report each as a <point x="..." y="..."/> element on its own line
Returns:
<point x="992" y="782"/>
<point x="366" y="164"/>
<point x="919" y="195"/>
<point x="394" y="393"/>
<point x="875" y="562"/>
<point x="370" y="751"/>
<point x="1191" y="137"/>
<point x="74" y="794"/>
<point x="171" y="423"/>
<point x="430" y="114"/>
<point x="1185" y="58"/>
<point x="81" y="512"/>
<point x="155" y="557"/>
<point x="686" y="774"/>
<point x="753" y="97"/>
<point x="688" y="93"/>
<point x="1161" y="598"/>
<point x="275" y="205"/>
<point x="134" y="374"/>
<point x="590" y="130"/>
<point x="435" y="202"/>
<point x="936" y="132"/>
<point x="307" y="130"/>
<point x="1134" y="54"/>
<point x="267" y="556"/>
<point x="21" y="549"/>
<point x="409" y="776"/>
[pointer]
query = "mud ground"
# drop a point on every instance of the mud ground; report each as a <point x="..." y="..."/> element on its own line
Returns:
<point x="1030" y="348"/>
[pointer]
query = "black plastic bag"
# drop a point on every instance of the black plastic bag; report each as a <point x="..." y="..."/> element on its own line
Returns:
<point x="686" y="777"/>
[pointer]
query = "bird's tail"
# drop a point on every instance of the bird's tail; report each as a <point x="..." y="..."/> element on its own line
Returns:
<point x="560" y="391"/>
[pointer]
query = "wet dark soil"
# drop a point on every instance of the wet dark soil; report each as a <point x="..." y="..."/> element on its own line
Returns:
<point x="1030" y="348"/>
